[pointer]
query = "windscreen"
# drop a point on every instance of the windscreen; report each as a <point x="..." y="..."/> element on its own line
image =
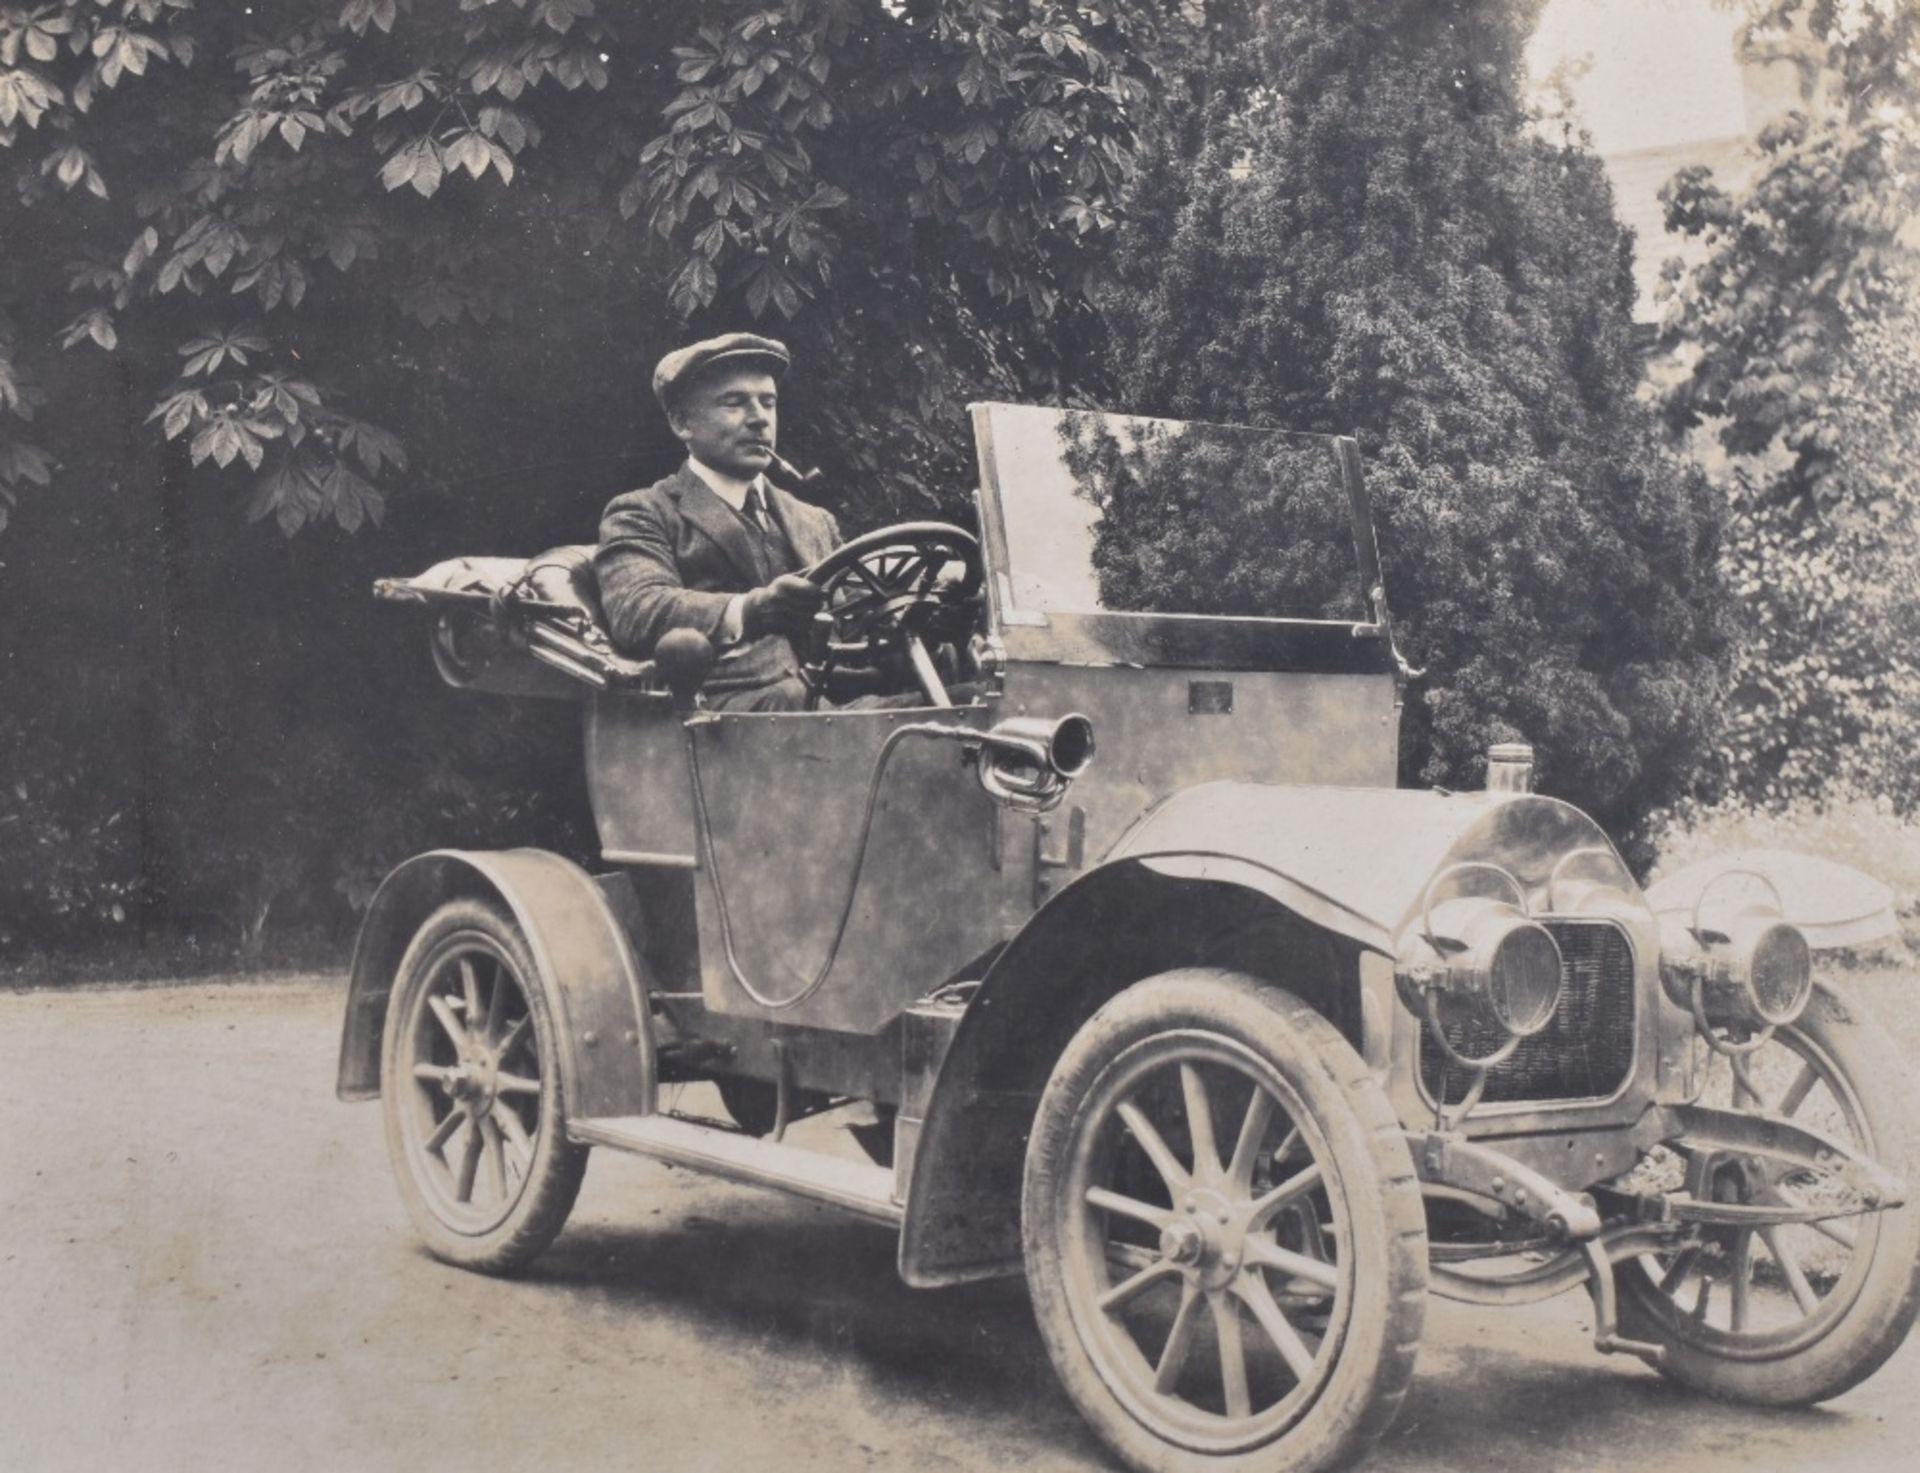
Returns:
<point x="1108" y="513"/>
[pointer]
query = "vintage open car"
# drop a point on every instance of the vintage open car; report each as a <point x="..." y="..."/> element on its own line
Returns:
<point x="1233" y="1048"/>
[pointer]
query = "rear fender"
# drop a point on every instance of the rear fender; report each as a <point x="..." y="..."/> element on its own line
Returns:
<point x="574" y="927"/>
<point x="1112" y="927"/>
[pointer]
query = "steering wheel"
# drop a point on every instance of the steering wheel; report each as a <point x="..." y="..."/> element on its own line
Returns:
<point x="889" y="595"/>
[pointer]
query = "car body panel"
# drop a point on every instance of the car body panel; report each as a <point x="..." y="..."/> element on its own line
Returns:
<point x="637" y="780"/>
<point x="1296" y="844"/>
<point x="782" y="858"/>
<point x="1162" y="731"/>
<point x="785" y="795"/>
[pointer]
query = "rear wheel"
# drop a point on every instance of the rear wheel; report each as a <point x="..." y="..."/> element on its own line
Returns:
<point x="1224" y="1237"/>
<point x="1794" y="1313"/>
<point x="471" y="1091"/>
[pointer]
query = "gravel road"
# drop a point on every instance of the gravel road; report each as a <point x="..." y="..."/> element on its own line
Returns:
<point x="203" y="1266"/>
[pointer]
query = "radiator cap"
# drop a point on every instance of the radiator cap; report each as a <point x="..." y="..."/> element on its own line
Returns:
<point x="1510" y="767"/>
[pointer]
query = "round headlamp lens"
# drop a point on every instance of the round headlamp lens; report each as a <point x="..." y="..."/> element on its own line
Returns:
<point x="1523" y="979"/>
<point x="1781" y="974"/>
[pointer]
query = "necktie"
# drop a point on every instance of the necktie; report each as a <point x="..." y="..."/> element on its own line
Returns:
<point x="756" y="508"/>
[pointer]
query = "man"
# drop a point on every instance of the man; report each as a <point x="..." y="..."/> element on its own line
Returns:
<point x="715" y="546"/>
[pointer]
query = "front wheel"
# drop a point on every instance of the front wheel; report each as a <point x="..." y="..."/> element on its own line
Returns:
<point x="1797" y="1312"/>
<point x="471" y="1091"/>
<point x="1224" y="1237"/>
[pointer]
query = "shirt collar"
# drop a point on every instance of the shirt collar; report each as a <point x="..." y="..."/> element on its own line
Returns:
<point x="729" y="489"/>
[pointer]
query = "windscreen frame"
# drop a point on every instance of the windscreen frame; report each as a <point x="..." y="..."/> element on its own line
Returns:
<point x="1187" y="641"/>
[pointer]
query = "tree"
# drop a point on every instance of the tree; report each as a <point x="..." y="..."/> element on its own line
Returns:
<point x="336" y="264"/>
<point x="918" y="187"/>
<point x="1796" y="332"/>
<point x="1355" y="227"/>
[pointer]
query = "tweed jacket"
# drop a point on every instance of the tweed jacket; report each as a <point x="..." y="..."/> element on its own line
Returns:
<point x="673" y="554"/>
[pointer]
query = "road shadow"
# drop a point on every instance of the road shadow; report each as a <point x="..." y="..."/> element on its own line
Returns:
<point x="794" y="1285"/>
<point x="802" y="1285"/>
<point x="1524" y="1389"/>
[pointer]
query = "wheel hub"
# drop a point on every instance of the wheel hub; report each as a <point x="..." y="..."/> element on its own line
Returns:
<point x="1208" y="1239"/>
<point x="1182" y="1242"/>
<point x="474" y="1080"/>
<point x="480" y="1074"/>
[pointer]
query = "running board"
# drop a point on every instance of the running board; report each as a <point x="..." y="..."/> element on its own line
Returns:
<point x="852" y="1186"/>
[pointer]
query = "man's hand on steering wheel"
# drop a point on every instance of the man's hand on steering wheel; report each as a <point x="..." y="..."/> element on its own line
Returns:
<point x="890" y="594"/>
<point x="784" y="606"/>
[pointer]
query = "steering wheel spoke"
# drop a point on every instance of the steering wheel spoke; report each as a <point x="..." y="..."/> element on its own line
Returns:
<point x="857" y="605"/>
<point x="928" y="673"/>
<point x="885" y="594"/>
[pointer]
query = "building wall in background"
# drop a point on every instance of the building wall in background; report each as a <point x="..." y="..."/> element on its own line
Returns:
<point x="1661" y="86"/>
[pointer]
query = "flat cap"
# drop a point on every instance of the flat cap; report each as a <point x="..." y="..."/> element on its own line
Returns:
<point x="731" y="350"/>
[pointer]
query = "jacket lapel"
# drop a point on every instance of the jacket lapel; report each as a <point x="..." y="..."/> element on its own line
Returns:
<point x="717" y="520"/>
<point x="801" y="523"/>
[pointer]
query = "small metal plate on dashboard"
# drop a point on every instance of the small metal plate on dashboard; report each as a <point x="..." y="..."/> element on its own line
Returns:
<point x="1209" y="698"/>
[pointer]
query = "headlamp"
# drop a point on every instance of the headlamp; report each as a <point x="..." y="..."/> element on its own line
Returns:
<point x="1487" y="957"/>
<point x="1752" y="970"/>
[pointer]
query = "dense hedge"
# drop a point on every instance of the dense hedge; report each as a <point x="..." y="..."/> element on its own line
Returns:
<point x="1358" y="227"/>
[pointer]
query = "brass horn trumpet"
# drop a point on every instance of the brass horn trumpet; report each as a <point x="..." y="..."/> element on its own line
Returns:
<point x="1025" y="762"/>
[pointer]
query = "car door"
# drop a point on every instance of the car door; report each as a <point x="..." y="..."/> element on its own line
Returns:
<point x="848" y="863"/>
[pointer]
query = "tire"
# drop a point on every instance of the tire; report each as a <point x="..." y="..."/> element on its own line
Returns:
<point x="1134" y="1252"/>
<point x="476" y="1117"/>
<point x="1817" y="1315"/>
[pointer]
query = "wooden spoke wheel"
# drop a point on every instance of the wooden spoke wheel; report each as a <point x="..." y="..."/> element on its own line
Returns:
<point x="471" y="1089"/>
<point x="1224" y="1236"/>
<point x="1797" y="1312"/>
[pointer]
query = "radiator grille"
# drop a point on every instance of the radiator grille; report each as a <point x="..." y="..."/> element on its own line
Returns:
<point x="1585" y="1053"/>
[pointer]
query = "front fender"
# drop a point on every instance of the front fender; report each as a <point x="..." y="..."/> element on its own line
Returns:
<point x="1358" y="861"/>
<point x="593" y="979"/>
<point x="1111" y="927"/>
<point x="1832" y="904"/>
